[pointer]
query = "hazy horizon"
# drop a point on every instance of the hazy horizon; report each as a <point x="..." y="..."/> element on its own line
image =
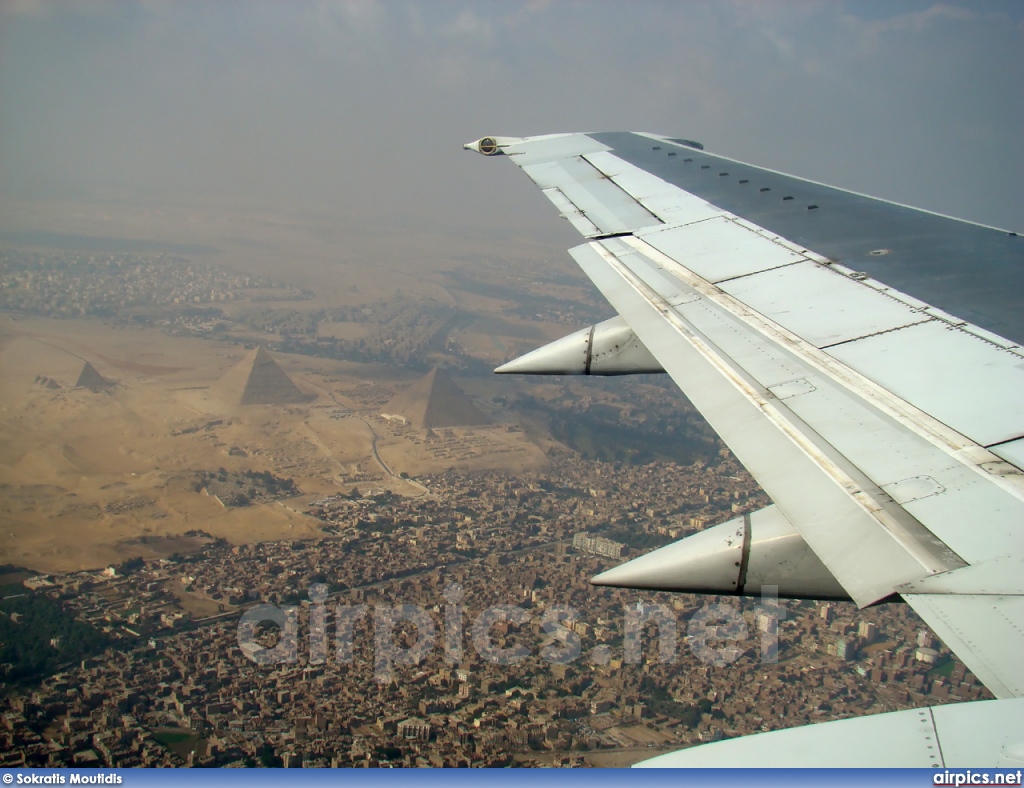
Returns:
<point x="355" y="113"/>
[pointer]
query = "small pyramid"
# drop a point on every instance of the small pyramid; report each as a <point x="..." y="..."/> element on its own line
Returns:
<point x="258" y="380"/>
<point x="435" y="401"/>
<point x="92" y="380"/>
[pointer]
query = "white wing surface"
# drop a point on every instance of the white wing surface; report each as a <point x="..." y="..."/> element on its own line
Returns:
<point x="862" y="359"/>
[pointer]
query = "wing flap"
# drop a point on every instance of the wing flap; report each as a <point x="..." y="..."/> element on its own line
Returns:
<point x="973" y="386"/>
<point x="964" y="381"/>
<point x="819" y="306"/>
<point x="957" y="735"/>
<point x="721" y="248"/>
<point x="866" y="541"/>
<point x="890" y="443"/>
<point x="864" y="537"/>
<point x="1011" y="451"/>
<point x="986" y="632"/>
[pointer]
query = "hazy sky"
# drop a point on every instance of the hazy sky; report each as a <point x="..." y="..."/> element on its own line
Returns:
<point x="361" y="108"/>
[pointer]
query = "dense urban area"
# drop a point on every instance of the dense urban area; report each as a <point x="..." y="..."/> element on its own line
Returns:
<point x="456" y="628"/>
<point x="172" y="687"/>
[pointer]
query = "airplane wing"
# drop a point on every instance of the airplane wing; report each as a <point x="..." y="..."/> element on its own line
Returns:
<point x="861" y="358"/>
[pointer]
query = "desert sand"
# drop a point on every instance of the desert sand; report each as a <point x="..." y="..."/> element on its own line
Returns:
<point x="93" y="476"/>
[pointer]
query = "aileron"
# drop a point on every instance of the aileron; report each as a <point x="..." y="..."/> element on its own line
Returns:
<point x="593" y="195"/>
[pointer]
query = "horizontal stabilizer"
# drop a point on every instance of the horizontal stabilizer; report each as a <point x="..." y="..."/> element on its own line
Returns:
<point x="736" y="557"/>
<point x="609" y="348"/>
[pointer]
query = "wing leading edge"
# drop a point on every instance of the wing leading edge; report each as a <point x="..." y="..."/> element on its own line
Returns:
<point x="888" y="432"/>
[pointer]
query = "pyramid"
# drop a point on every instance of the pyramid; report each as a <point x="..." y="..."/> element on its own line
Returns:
<point x="435" y="401"/>
<point x="258" y="380"/>
<point x="92" y="380"/>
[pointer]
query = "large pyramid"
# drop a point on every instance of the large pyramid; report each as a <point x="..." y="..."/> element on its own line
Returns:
<point x="258" y="380"/>
<point x="92" y="380"/>
<point x="435" y="401"/>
